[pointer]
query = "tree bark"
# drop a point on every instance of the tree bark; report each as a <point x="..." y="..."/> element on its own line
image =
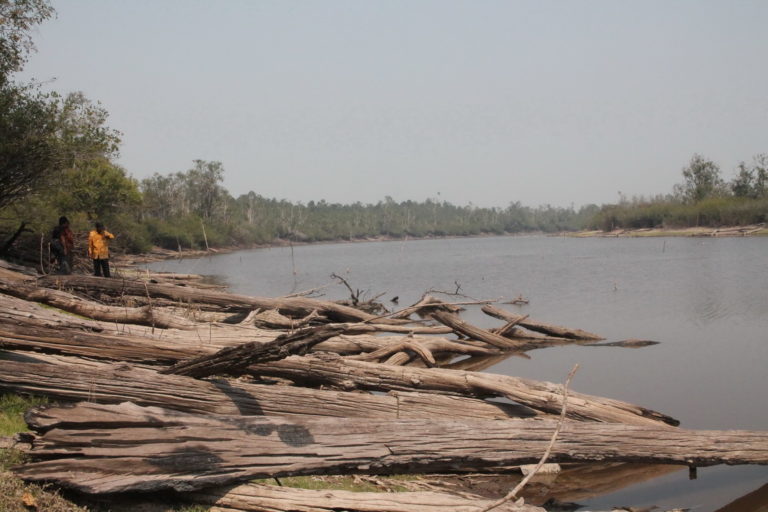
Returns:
<point x="73" y="379"/>
<point x="9" y="243"/>
<point x="544" y="396"/>
<point x="116" y="448"/>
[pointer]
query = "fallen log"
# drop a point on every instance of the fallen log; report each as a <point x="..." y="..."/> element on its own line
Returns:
<point x="296" y="307"/>
<point x="460" y="326"/>
<point x="270" y="498"/>
<point x="552" y="330"/>
<point x="544" y="396"/>
<point x="73" y="379"/>
<point x="146" y="315"/>
<point x="26" y="325"/>
<point x="117" y="448"/>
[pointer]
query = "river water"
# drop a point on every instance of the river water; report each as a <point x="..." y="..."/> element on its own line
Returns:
<point x="704" y="299"/>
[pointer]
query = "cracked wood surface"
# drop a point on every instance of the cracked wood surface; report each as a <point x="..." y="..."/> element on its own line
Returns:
<point x="113" y="448"/>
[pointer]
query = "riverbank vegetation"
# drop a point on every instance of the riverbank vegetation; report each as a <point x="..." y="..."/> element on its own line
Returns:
<point x="704" y="198"/>
<point x="58" y="156"/>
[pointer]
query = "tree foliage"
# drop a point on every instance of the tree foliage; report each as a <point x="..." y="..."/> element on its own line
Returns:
<point x="17" y="19"/>
<point x="701" y="180"/>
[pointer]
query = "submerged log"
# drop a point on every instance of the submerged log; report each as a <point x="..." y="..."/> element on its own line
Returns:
<point x="73" y="379"/>
<point x="115" y="448"/>
<point x="544" y="396"/>
<point x="552" y="330"/>
<point x="270" y="498"/>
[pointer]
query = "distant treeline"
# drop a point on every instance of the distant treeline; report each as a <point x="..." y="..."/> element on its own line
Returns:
<point x="177" y="206"/>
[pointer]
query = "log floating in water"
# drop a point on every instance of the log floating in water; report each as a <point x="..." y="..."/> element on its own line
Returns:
<point x="551" y="330"/>
<point x="115" y="448"/>
<point x="457" y="324"/>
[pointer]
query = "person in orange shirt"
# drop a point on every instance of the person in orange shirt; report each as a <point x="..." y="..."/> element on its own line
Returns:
<point x="98" y="249"/>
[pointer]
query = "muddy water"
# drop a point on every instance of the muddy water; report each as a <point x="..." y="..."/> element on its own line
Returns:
<point x="705" y="300"/>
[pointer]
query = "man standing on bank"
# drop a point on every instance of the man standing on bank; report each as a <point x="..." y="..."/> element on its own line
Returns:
<point x="98" y="249"/>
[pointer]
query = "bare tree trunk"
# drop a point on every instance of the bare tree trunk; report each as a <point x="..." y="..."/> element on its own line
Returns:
<point x="9" y="243"/>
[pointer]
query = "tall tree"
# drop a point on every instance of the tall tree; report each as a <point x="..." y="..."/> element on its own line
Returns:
<point x="702" y="180"/>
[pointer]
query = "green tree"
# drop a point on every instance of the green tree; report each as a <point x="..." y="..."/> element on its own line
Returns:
<point x="702" y="180"/>
<point x="17" y="19"/>
<point x="29" y="148"/>
<point x="99" y="188"/>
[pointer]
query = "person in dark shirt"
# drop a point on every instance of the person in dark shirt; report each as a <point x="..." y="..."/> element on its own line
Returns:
<point x="62" y="245"/>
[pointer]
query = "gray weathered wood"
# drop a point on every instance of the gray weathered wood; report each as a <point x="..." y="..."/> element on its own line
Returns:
<point x="232" y="360"/>
<point x="146" y="315"/>
<point x="73" y="379"/>
<point x="552" y="330"/>
<point x="270" y="498"/>
<point x="297" y="306"/>
<point x="112" y="448"/>
<point x="544" y="396"/>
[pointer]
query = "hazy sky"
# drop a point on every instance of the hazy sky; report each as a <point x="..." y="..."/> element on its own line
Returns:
<point x="478" y="101"/>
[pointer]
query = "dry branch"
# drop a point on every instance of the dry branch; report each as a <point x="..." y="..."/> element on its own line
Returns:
<point x="232" y="360"/>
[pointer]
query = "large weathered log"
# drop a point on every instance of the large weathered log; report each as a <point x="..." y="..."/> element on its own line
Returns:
<point x="146" y="315"/>
<point x="270" y="498"/>
<point x="73" y="379"/>
<point x="552" y="330"/>
<point x="297" y="306"/>
<point x="543" y="396"/>
<point x="232" y="360"/>
<point x="112" y="448"/>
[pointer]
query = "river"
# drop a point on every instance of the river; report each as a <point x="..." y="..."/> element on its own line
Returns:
<point x="704" y="299"/>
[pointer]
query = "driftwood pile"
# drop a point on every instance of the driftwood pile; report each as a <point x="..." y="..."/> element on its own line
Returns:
<point x="175" y="386"/>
